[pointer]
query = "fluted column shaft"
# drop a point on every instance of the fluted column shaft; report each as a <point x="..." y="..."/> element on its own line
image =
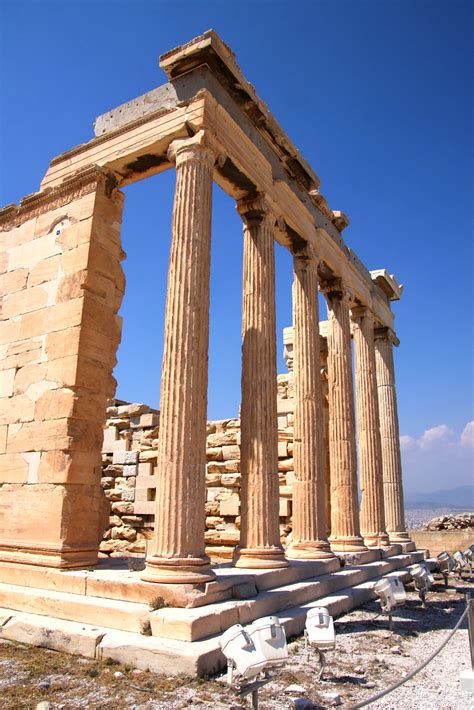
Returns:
<point x="372" y="517"/>
<point x="390" y="439"/>
<point x="259" y="527"/>
<point x="345" y="530"/>
<point x="309" y="495"/>
<point x="327" y="467"/>
<point x="177" y="552"/>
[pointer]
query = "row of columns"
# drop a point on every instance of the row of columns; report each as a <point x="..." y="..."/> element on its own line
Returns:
<point x="177" y="553"/>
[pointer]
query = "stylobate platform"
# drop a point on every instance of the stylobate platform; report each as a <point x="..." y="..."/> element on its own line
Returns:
<point x="109" y="612"/>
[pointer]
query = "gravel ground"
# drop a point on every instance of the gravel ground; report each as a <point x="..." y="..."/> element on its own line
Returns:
<point x="367" y="659"/>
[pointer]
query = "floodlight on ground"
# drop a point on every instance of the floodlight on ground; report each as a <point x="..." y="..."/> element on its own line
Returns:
<point x="251" y="652"/>
<point x="446" y="565"/>
<point x="469" y="555"/>
<point x="319" y="633"/>
<point x="385" y="590"/>
<point x="423" y="580"/>
<point x="398" y="590"/>
<point x="461" y="562"/>
<point x="269" y="638"/>
<point x="242" y="656"/>
<point x="431" y="579"/>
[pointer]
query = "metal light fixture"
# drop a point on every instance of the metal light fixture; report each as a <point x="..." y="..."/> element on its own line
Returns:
<point x="242" y="656"/>
<point x="398" y="590"/>
<point x="461" y="562"/>
<point x="446" y="565"/>
<point x="319" y="633"/>
<point x="251" y="652"/>
<point x="469" y="555"/>
<point x="269" y="638"/>
<point x="390" y="594"/>
<point x="423" y="580"/>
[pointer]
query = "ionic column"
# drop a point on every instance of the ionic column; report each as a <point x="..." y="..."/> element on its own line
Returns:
<point x="389" y="433"/>
<point x="309" y="495"/>
<point x="177" y="553"/>
<point x="345" y="530"/>
<point x="372" y="518"/>
<point x="327" y="463"/>
<point x="259" y="528"/>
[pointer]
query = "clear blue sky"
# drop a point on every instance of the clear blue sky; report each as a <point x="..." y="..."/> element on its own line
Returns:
<point x="377" y="95"/>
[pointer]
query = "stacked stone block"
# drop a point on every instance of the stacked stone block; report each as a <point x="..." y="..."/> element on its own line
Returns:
<point x="129" y="449"/>
<point x="129" y="459"/>
<point x="61" y="284"/>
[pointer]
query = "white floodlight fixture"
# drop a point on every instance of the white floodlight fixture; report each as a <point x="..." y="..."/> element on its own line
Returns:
<point x="429" y="576"/>
<point x="384" y="589"/>
<point x="241" y="654"/>
<point x="469" y="555"/>
<point x="423" y="580"/>
<point x="319" y="633"/>
<point x="446" y="565"/>
<point x="269" y="638"/>
<point x="251" y="651"/>
<point x="461" y="562"/>
<point x="398" y="590"/>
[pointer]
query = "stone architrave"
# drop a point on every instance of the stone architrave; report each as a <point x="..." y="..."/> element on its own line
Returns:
<point x="309" y="495"/>
<point x="177" y="552"/>
<point x="372" y="517"/>
<point x="345" y="528"/>
<point x="390" y="439"/>
<point x="260" y="545"/>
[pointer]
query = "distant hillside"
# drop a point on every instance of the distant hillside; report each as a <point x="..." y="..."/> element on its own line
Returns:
<point x="461" y="497"/>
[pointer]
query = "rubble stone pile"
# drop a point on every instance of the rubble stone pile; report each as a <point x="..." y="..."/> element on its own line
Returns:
<point x="458" y="521"/>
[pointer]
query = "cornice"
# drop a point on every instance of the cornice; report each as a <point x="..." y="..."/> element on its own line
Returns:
<point x="81" y="183"/>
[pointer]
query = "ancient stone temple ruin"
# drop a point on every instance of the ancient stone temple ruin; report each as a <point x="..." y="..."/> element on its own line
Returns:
<point x="63" y="283"/>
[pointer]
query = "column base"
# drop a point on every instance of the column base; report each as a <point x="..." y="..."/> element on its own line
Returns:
<point x="347" y="544"/>
<point x="259" y="557"/>
<point x="48" y="555"/>
<point x="178" y="570"/>
<point x="317" y="550"/>
<point x="376" y="539"/>
<point x="399" y="536"/>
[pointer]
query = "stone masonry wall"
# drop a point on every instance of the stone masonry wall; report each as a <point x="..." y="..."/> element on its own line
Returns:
<point x="129" y="459"/>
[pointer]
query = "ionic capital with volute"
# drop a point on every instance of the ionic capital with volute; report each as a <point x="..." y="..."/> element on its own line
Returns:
<point x="309" y="256"/>
<point x="197" y="148"/>
<point x="386" y="334"/>
<point x="359" y="312"/>
<point x="335" y="289"/>
<point x="257" y="210"/>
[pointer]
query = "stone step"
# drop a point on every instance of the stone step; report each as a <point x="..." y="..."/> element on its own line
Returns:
<point x="112" y="580"/>
<point x="163" y="655"/>
<point x="123" y="615"/>
<point x="203" y="622"/>
<point x="91" y="597"/>
<point x="133" y="649"/>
